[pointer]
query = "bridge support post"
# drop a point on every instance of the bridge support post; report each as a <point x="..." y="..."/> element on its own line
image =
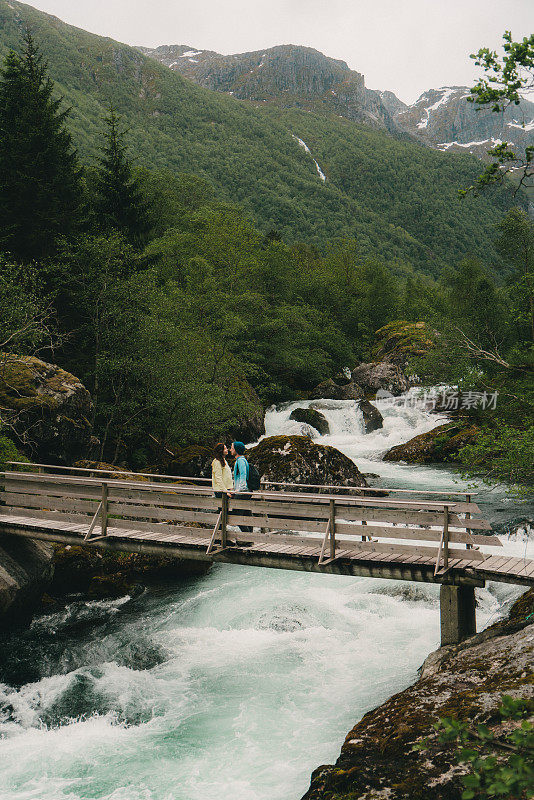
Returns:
<point x="457" y="613"/>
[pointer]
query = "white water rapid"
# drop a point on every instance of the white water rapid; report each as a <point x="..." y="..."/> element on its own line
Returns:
<point x="233" y="686"/>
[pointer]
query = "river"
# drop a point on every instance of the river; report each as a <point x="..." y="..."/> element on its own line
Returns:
<point x="233" y="686"/>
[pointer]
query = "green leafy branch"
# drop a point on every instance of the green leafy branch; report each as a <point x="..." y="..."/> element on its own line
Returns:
<point x="498" y="767"/>
<point x="506" y="78"/>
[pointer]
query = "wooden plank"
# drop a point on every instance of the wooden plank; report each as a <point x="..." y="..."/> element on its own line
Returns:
<point x="411" y="518"/>
<point x="402" y="532"/>
<point x="69" y="480"/>
<point x="494" y="561"/>
<point x="509" y="566"/>
<point x="158" y="512"/>
<point x="381" y="547"/>
<point x="488" y="539"/>
<point x="42" y="519"/>
<point x="281" y="508"/>
<point x="158" y="526"/>
<point x="504" y="565"/>
<point x="39" y="514"/>
<point x="169" y="498"/>
<point x="345" y="500"/>
<point x="53" y="490"/>
<point x="276" y="523"/>
<point x="75" y="505"/>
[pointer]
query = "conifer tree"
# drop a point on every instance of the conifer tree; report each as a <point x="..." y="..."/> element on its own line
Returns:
<point x="120" y="203"/>
<point x="40" y="194"/>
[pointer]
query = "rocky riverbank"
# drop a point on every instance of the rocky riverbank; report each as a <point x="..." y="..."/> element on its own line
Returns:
<point x="26" y="569"/>
<point x="465" y="681"/>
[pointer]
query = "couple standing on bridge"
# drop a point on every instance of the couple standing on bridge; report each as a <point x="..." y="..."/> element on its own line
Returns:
<point x="244" y="480"/>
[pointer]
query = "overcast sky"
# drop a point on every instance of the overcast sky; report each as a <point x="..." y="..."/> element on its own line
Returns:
<point x="406" y="46"/>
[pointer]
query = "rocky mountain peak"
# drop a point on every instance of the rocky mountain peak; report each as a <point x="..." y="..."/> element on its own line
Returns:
<point x="287" y="74"/>
<point x="447" y="120"/>
<point x="293" y="76"/>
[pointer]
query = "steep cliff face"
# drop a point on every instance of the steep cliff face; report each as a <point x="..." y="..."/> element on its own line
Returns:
<point x="287" y="74"/>
<point x="445" y="119"/>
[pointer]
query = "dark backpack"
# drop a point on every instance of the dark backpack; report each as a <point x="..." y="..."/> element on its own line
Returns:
<point x="253" y="478"/>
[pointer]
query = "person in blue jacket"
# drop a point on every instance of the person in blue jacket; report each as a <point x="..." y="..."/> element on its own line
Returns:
<point x="240" y="481"/>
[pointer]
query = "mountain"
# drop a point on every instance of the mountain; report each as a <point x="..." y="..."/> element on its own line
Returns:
<point x="448" y="121"/>
<point x="398" y="199"/>
<point x="288" y="75"/>
<point x="301" y="77"/>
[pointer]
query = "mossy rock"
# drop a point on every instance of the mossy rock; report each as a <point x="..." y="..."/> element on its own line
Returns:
<point x="107" y="573"/>
<point x="380" y="375"/>
<point x="47" y="407"/>
<point x="112" y="586"/>
<point x="118" y="473"/>
<point x="330" y="390"/>
<point x="311" y="417"/>
<point x="400" y="340"/>
<point x="297" y="459"/>
<point x="441" y="444"/>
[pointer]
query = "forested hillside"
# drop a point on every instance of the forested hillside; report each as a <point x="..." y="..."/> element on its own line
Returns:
<point x="398" y="199"/>
<point x="136" y="265"/>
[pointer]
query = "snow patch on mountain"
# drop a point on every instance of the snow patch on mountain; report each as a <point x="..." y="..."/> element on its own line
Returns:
<point x="447" y="92"/>
<point x="524" y="126"/>
<point x="493" y="142"/>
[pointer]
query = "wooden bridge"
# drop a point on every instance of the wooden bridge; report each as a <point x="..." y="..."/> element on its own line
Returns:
<point x="378" y="533"/>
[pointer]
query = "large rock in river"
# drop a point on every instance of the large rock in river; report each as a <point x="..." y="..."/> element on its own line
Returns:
<point x="296" y="459"/>
<point x="440" y="444"/>
<point x="372" y="418"/>
<point x="311" y="417"/>
<point x="330" y="390"/>
<point x="47" y="408"/>
<point x="380" y="375"/>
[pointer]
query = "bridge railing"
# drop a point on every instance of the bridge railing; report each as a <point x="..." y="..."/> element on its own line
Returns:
<point x="331" y="524"/>
<point x="117" y="472"/>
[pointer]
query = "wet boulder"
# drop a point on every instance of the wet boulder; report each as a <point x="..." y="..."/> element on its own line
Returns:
<point x="296" y="459"/>
<point x="110" y="573"/>
<point x="47" y="408"/>
<point x="26" y="569"/>
<point x="438" y="445"/>
<point x="380" y="375"/>
<point x="372" y="418"/>
<point x="331" y="390"/>
<point x="311" y="417"/>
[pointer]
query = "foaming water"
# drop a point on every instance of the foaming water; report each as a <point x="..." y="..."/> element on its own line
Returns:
<point x="234" y="685"/>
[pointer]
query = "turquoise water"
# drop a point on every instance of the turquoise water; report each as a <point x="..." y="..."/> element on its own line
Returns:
<point x="234" y="685"/>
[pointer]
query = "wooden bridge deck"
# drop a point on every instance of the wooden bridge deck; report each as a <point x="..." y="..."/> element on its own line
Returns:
<point x="365" y="562"/>
<point x="388" y="535"/>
